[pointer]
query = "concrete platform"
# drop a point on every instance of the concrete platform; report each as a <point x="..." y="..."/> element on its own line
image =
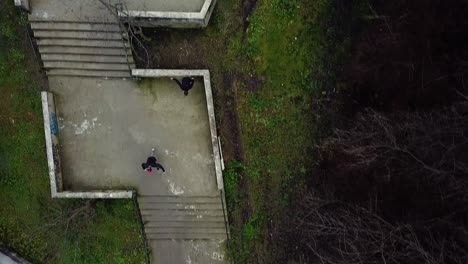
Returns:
<point x="95" y="11"/>
<point x="163" y="5"/>
<point x="108" y="127"/>
<point x="71" y="10"/>
<point x="190" y="252"/>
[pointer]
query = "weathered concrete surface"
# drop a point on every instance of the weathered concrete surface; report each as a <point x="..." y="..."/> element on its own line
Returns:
<point x="71" y="10"/>
<point x="205" y="74"/>
<point x="94" y="11"/>
<point x="189" y="252"/>
<point x="108" y="127"/>
<point x="163" y="5"/>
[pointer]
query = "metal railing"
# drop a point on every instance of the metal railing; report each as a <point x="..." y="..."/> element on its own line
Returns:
<point x="226" y="223"/>
<point x="123" y="33"/>
<point x="30" y="36"/>
<point x="142" y="228"/>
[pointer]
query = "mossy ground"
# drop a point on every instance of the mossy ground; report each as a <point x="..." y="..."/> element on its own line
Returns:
<point x="38" y="228"/>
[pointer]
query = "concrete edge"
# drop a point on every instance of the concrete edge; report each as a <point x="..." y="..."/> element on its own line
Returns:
<point x="209" y="12"/>
<point x="158" y="14"/>
<point x="205" y="7"/>
<point x="175" y="19"/>
<point x="95" y="195"/>
<point x="214" y="134"/>
<point x="156" y="73"/>
<point x="48" y="140"/>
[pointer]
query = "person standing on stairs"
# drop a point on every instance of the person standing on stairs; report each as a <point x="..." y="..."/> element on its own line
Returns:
<point x="151" y="163"/>
<point x="186" y="85"/>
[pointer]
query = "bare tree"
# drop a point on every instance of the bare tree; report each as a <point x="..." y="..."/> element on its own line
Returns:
<point x="416" y="146"/>
<point x="424" y="153"/>
<point x="128" y="26"/>
<point x="66" y="216"/>
<point x="339" y="233"/>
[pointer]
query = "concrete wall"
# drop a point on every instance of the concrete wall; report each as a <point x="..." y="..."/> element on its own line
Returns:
<point x="52" y="142"/>
<point x="172" y="19"/>
<point x="53" y="158"/>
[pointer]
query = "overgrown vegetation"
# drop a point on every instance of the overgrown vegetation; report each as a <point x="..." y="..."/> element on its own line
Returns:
<point x="390" y="186"/>
<point x="397" y="194"/>
<point x="32" y="224"/>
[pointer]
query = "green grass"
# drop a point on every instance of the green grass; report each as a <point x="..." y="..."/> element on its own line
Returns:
<point x="31" y="223"/>
<point x="295" y="47"/>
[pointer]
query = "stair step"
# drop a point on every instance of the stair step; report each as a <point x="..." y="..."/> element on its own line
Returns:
<point x="79" y="35"/>
<point x="185" y="230"/>
<point x="181" y="206"/>
<point x="82" y="43"/>
<point x="164" y="212"/>
<point x="185" y="224"/>
<point x="86" y="66"/>
<point x="88" y="73"/>
<point x="180" y="199"/>
<point x="183" y="218"/>
<point x="85" y="51"/>
<point x="86" y="58"/>
<point x="187" y="236"/>
<point x="71" y="26"/>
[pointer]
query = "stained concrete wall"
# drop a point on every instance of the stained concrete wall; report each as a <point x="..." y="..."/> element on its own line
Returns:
<point x="52" y="143"/>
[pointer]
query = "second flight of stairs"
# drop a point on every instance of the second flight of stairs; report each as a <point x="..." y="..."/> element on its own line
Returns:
<point x="85" y="49"/>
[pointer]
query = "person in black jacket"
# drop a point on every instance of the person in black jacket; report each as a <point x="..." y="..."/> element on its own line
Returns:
<point x="186" y="84"/>
<point x="151" y="163"/>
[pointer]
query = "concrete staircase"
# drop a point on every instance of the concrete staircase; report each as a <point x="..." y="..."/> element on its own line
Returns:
<point x="183" y="217"/>
<point x="85" y="49"/>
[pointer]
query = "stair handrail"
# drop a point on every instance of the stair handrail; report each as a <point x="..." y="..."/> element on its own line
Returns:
<point x="30" y="35"/>
<point x="122" y="33"/>
<point x="114" y="9"/>
<point x="226" y="223"/>
<point x="142" y="228"/>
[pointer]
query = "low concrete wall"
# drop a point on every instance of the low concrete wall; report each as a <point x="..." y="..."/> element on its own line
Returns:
<point x="209" y="101"/>
<point x="96" y="195"/>
<point x="52" y="142"/>
<point x="53" y="159"/>
<point x="171" y="19"/>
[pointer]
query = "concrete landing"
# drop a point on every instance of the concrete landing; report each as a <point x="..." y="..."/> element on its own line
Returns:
<point x="188" y="252"/>
<point x="71" y="10"/>
<point x="108" y="127"/>
<point x="95" y="11"/>
<point x="163" y="5"/>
